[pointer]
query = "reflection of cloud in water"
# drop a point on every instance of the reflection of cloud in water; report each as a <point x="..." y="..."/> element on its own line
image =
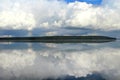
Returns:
<point x="56" y="60"/>
<point x="16" y="58"/>
<point x="53" y="63"/>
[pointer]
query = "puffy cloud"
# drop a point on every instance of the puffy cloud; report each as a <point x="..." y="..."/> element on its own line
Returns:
<point x="16" y="20"/>
<point x="87" y="16"/>
<point x="28" y="14"/>
<point x="15" y="17"/>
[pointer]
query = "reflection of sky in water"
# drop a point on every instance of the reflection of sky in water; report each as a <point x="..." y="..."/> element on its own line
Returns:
<point x="35" y="61"/>
<point x="41" y="60"/>
<point x="66" y="31"/>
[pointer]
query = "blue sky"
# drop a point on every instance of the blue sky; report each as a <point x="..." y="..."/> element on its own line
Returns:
<point x="95" y="2"/>
<point x="50" y="18"/>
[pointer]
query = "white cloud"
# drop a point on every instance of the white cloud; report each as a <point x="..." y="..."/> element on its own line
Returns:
<point x="50" y="14"/>
<point x="29" y="14"/>
<point x="14" y="17"/>
<point x="16" y="20"/>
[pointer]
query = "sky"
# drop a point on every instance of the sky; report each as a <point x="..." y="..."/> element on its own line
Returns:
<point x="95" y="2"/>
<point x="59" y="17"/>
<point x="29" y="15"/>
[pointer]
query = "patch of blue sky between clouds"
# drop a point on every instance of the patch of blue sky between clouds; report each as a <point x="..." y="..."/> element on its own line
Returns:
<point x="94" y="2"/>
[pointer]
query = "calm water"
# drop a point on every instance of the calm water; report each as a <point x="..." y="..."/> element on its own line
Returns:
<point x="43" y="61"/>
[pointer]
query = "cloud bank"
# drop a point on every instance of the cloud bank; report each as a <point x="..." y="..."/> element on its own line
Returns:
<point x="28" y="14"/>
<point x="45" y="14"/>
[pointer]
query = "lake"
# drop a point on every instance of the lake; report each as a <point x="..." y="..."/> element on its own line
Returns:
<point x="67" y="61"/>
